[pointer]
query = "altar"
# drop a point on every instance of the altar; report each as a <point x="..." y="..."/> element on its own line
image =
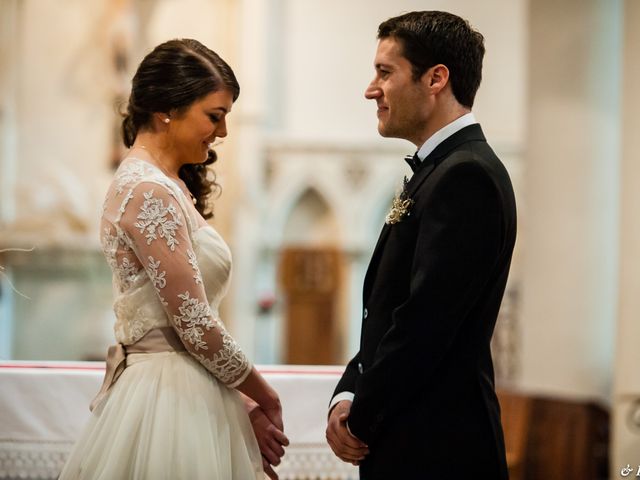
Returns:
<point x="44" y="405"/>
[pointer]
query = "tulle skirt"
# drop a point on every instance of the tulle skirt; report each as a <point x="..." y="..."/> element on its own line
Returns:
<point x="166" y="418"/>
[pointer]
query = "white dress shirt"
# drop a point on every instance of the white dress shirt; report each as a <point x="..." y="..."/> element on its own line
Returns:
<point x="445" y="132"/>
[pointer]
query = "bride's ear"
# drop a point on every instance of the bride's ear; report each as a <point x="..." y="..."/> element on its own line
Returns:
<point x="160" y="120"/>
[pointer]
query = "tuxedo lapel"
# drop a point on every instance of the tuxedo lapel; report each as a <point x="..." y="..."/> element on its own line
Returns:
<point x="411" y="187"/>
<point x="373" y="263"/>
<point x="469" y="133"/>
<point x="419" y="177"/>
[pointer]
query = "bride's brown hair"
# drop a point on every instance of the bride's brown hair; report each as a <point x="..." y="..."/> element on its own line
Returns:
<point x="170" y="78"/>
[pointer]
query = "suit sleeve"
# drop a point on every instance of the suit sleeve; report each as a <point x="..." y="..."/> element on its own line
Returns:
<point x="348" y="381"/>
<point x="457" y="247"/>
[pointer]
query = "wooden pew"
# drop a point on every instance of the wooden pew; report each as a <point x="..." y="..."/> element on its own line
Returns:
<point x="554" y="439"/>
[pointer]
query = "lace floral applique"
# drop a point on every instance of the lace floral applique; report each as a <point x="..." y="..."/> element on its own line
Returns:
<point x="127" y="272"/>
<point x="154" y="221"/>
<point x="158" y="280"/>
<point x="229" y="364"/>
<point x="109" y="248"/>
<point x="193" y="315"/>
<point x="193" y="261"/>
<point x="130" y="173"/>
<point x="137" y="329"/>
<point x="128" y="197"/>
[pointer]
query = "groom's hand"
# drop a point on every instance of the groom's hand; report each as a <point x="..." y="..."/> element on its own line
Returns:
<point x="345" y="445"/>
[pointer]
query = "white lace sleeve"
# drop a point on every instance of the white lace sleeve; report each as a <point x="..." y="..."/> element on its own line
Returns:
<point x="154" y="222"/>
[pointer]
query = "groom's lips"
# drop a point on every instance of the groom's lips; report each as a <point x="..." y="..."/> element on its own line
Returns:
<point x="382" y="109"/>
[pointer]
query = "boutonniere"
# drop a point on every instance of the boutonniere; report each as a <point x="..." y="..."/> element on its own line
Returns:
<point x="401" y="206"/>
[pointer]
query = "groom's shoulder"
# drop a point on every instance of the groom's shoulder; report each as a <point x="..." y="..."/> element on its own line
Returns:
<point x="474" y="154"/>
<point x="469" y="157"/>
<point x="472" y="163"/>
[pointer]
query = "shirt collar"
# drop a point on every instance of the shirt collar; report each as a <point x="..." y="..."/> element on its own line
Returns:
<point x="445" y="132"/>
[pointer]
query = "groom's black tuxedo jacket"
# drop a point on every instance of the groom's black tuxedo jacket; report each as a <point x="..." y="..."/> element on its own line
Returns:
<point x="423" y="379"/>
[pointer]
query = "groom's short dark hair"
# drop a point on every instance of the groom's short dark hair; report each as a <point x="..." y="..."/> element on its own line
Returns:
<point x="432" y="37"/>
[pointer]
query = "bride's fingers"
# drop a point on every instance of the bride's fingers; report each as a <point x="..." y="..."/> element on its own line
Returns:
<point x="275" y="417"/>
<point x="280" y="437"/>
<point x="277" y="449"/>
<point x="268" y="470"/>
<point x="271" y="456"/>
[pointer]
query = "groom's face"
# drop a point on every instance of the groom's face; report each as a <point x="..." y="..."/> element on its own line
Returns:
<point x="403" y="104"/>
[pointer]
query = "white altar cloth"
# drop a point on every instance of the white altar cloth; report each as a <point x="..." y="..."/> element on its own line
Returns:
<point x="44" y="405"/>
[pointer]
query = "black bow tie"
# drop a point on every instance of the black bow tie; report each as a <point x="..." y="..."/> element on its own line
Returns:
<point x="413" y="161"/>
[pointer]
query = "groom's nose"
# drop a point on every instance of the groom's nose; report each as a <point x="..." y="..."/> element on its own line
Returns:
<point x="373" y="91"/>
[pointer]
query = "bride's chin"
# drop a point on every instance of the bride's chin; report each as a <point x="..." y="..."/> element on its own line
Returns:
<point x="206" y="153"/>
<point x="201" y="157"/>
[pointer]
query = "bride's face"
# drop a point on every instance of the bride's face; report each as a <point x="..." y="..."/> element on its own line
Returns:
<point x="190" y="132"/>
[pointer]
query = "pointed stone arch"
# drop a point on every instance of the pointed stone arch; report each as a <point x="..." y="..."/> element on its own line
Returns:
<point x="310" y="273"/>
<point x="311" y="222"/>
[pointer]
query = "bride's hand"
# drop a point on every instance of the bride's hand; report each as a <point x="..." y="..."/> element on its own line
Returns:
<point x="274" y="414"/>
<point x="255" y="387"/>
<point x="271" y="440"/>
<point x="268" y="470"/>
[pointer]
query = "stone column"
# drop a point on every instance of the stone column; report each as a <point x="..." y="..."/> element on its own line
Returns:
<point x="626" y="409"/>
<point x="9" y="25"/>
<point x="570" y="229"/>
<point x="249" y="116"/>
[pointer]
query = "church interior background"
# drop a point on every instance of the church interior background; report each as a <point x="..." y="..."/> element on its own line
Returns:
<point x="307" y="183"/>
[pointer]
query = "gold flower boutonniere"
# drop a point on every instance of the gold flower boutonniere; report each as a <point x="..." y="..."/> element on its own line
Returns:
<point x="400" y="207"/>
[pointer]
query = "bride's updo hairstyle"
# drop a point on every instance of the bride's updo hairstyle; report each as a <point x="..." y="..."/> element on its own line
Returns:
<point x="172" y="77"/>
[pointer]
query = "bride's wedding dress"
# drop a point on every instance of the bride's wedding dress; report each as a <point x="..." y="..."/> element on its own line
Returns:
<point x="170" y="414"/>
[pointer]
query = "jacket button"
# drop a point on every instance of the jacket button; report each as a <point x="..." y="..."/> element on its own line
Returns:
<point x="360" y="368"/>
<point x="366" y="313"/>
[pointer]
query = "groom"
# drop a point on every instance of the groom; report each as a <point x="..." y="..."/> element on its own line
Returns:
<point x="418" y="400"/>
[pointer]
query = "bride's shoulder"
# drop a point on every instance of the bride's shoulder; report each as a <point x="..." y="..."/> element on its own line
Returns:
<point x="137" y="183"/>
<point x="134" y="171"/>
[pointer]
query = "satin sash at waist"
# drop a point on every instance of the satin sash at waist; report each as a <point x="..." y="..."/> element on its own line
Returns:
<point x="157" y="340"/>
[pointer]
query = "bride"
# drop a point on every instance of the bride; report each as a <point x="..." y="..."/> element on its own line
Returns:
<point x="170" y="406"/>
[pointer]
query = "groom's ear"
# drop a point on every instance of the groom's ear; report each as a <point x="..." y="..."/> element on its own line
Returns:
<point x="435" y="78"/>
